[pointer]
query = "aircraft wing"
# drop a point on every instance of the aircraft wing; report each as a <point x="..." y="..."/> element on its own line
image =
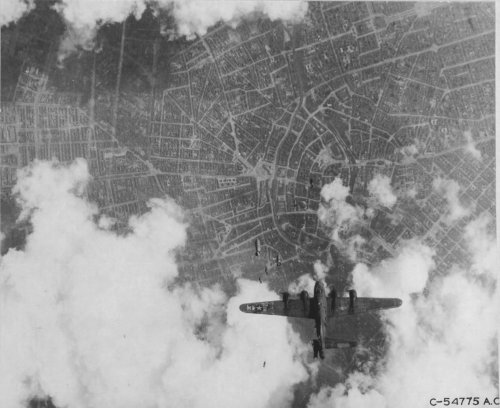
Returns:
<point x="305" y="308"/>
<point x="361" y="305"/>
<point x="295" y="308"/>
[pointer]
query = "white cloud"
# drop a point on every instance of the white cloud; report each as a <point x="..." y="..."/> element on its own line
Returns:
<point x="400" y="276"/>
<point x="95" y="319"/>
<point x="450" y="190"/>
<point x="192" y="17"/>
<point x="442" y="342"/>
<point x="335" y="191"/>
<point x="356" y="392"/>
<point x="84" y="17"/>
<point x="85" y="14"/>
<point x="380" y="189"/>
<point x="12" y="10"/>
<point x="222" y="374"/>
<point x="480" y="237"/>
<point x="470" y="147"/>
<point x="196" y="16"/>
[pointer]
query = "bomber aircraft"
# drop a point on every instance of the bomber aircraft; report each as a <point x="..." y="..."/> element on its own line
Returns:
<point x="257" y="247"/>
<point x="321" y="308"/>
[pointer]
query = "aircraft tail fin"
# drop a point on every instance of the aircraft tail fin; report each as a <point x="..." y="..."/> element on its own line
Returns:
<point x="331" y="343"/>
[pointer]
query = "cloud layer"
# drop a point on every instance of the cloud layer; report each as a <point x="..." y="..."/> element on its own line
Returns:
<point x="192" y="17"/>
<point x="12" y="10"/>
<point x="400" y="276"/>
<point x="94" y="319"/>
<point x="443" y="341"/>
<point x="196" y="16"/>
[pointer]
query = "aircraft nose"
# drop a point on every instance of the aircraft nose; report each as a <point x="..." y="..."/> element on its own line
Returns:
<point x="398" y="302"/>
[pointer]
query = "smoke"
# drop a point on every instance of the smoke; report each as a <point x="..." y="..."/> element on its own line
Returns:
<point x="94" y="319"/>
<point x="380" y="189"/>
<point x="320" y="270"/>
<point x="307" y="280"/>
<point x="470" y="147"/>
<point x="450" y="190"/>
<point x="442" y="341"/>
<point x="353" y="246"/>
<point x="192" y="17"/>
<point x="335" y="212"/>
<point x="345" y="219"/>
<point x="303" y="282"/>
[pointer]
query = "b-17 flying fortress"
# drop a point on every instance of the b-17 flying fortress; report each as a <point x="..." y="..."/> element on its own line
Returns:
<point x="322" y="309"/>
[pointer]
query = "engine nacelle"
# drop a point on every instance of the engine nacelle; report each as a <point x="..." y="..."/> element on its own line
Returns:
<point x="286" y="296"/>
<point x="304" y="297"/>
<point x="352" y="300"/>
<point x="333" y="304"/>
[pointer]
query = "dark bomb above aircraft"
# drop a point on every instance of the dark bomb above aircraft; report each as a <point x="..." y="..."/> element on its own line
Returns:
<point x="322" y="308"/>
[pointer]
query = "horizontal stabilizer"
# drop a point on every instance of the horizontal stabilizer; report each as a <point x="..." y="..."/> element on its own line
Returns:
<point x="339" y="343"/>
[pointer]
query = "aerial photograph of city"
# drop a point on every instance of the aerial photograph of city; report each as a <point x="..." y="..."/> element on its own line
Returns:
<point x="171" y="168"/>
